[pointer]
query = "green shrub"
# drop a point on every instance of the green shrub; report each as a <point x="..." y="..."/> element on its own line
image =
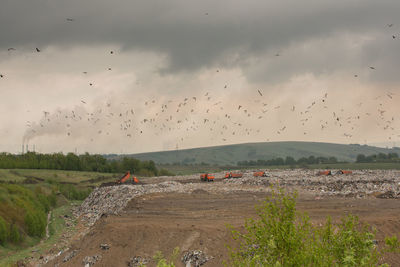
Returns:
<point x="35" y="223"/>
<point x="52" y="198"/>
<point x="43" y="199"/>
<point x="281" y="236"/>
<point x="165" y="172"/>
<point x="23" y="212"/>
<point x="393" y="244"/>
<point x="145" y="173"/>
<point x="163" y="262"/>
<point x="3" y="231"/>
<point x="72" y="192"/>
<point x="15" y="236"/>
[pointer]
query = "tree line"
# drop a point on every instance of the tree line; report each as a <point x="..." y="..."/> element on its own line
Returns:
<point x="288" y="161"/>
<point x="73" y="162"/>
<point x="381" y="157"/>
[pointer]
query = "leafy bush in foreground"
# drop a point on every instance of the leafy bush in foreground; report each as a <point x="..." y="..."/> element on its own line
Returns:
<point x="281" y="236"/>
<point x="163" y="262"/>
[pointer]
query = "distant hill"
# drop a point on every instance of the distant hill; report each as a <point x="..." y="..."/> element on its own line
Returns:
<point x="231" y="154"/>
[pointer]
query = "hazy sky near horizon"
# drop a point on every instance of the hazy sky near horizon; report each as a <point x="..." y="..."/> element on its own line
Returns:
<point x="130" y="76"/>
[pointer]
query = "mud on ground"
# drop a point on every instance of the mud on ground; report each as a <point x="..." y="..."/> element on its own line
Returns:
<point x="197" y="221"/>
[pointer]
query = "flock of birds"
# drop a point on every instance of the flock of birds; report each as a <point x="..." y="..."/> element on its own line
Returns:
<point x="206" y="113"/>
<point x="214" y="117"/>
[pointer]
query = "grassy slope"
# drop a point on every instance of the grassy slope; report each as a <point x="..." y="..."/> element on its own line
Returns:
<point x="231" y="154"/>
<point x="18" y="175"/>
<point x="11" y="253"/>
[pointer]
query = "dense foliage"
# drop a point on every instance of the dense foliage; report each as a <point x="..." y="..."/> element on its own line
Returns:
<point x="283" y="237"/>
<point x="381" y="157"/>
<point x="24" y="208"/>
<point x="85" y="162"/>
<point x="23" y="212"/>
<point x="290" y="161"/>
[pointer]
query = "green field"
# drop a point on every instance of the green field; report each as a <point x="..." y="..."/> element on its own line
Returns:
<point x="231" y="154"/>
<point x="75" y="177"/>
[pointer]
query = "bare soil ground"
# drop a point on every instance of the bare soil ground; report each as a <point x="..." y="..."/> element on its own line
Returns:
<point x="197" y="221"/>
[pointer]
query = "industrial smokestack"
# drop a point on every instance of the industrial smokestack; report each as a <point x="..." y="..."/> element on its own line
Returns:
<point x="22" y="148"/>
<point x="27" y="149"/>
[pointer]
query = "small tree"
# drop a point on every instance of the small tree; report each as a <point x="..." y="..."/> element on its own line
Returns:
<point x="15" y="236"/>
<point x="281" y="236"/>
<point x="361" y="158"/>
<point x="290" y="161"/>
<point x="3" y="231"/>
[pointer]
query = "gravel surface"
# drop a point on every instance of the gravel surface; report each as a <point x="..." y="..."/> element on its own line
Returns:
<point x="379" y="183"/>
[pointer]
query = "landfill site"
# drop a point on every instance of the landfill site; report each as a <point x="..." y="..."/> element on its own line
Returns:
<point x="127" y="224"/>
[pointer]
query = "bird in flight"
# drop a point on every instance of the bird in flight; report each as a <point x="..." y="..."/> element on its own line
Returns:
<point x="260" y="92"/>
<point x="1" y="75"/>
<point x="37" y="49"/>
<point x="69" y="19"/>
<point x="372" y="68"/>
<point x="390" y="25"/>
<point x="11" y="49"/>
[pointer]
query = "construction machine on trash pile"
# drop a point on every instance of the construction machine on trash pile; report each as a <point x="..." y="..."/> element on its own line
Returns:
<point x="324" y="173"/>
<point x="328" y="172"/>
<point x="207" y="177"/>
<point x="233" y="175"/>
<point x="123" y="180"/>
<point x="260" y="174"/>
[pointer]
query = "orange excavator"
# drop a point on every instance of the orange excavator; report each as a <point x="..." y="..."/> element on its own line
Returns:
<point x="324" y="173"/>
<point x="126" y="177"/>
<point x="260" y="174"/>
<point x="233" y="175"/>
<point x="123" y="180"/>
<point x="207" y="177"/>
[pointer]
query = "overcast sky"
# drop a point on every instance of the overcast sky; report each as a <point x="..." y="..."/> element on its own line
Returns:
<point x="129" y="76"/>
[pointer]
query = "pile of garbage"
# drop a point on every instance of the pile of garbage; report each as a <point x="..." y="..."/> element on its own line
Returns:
<point x="70" y="255"/>
<point x="359" y="183"/>
<point x="194" y="258"/>
<point x="112" y="199"/>
<point x="137" y="261"/>
<point x="91" y="260"/>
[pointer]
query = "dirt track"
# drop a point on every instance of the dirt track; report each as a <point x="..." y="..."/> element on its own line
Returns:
<point x="162" y="221"/>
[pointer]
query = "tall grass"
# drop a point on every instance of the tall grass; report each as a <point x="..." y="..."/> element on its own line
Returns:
<point x="23" y="212"/>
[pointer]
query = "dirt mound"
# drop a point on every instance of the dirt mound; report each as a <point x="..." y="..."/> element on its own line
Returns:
<point x="199" y="191"/>
<point x="197" y="222"/>
<point x="112" y="199"/>
<point x="193" y="216"/>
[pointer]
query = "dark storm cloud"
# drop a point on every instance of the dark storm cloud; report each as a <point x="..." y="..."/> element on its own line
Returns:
<point x="196" y="34"/>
